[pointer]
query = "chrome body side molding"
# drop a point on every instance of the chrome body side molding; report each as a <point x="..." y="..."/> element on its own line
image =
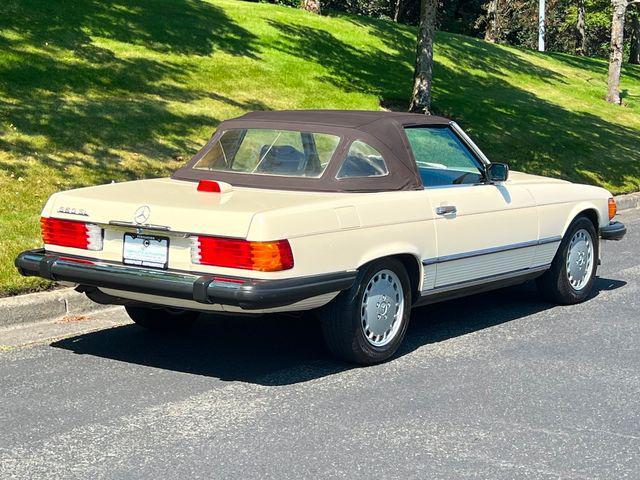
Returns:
<point x="489" y="251"/>
<point x="491" y="278"/>
<point x="479" y="285"/>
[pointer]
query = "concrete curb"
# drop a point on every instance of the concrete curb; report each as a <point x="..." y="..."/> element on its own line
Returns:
<point x="630" y="200"/>
<point x="36" y="307"/>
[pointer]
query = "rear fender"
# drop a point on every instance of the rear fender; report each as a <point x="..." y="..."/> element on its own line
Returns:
<point x="398" y="248"/>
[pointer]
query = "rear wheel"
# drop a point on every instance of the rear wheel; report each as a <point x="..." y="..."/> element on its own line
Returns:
<point x="367" y="323"/>
<point x="161" y="319"/>
<point x="573" y="270"/>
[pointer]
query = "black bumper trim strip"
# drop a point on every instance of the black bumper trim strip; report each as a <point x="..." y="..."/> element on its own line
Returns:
<point x="247" y="293"/>
<point x="613" y="231"/>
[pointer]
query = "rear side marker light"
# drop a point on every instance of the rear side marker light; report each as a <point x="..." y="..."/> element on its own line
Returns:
<point x="242" y="254"/>
<point x="70" y="233"/>
<point x="613" y="208"/>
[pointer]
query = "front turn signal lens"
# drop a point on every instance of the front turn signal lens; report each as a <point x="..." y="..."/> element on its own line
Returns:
<point x="613" y="208"/>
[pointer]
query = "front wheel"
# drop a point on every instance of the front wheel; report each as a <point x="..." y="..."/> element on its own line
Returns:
<point x="367" y="323"/>
<point x="573" y="270"/>
<point x="161" y="319"/>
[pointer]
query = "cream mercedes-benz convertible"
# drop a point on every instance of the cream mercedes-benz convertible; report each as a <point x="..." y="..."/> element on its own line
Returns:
<point x="358" y="215"/>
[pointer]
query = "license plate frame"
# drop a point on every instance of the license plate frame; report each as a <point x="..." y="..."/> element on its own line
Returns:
<point x="134" y="250"/>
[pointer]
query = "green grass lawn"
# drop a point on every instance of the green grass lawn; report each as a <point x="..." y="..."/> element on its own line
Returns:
<point x="97" y="91"/>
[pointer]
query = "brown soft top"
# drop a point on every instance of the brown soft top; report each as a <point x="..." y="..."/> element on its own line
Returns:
<point x="384" y="131"/>
<point x="343" y="118"/>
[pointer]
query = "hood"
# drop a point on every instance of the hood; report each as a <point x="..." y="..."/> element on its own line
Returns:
<point x="519" y="178"/>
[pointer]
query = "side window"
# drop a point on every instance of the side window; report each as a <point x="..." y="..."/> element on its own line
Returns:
<point x="442" y="158"/>
<point x="362" y="160"/>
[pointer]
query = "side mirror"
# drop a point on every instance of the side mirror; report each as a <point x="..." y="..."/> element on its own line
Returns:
<point x="497" y="172"/>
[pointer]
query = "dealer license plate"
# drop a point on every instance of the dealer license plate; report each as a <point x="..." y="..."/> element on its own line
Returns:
<point x="145" y="250"/>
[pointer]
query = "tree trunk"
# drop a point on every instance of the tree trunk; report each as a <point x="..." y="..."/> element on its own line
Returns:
<point x="615" y="57"/>
<point x="581" y="40"/>
<point x="312" y="6"/>
<point x="634" y="53"/>
<point x="491" y="33"/>
<point x="398" y="11"/>
<point x="421" y="95"/>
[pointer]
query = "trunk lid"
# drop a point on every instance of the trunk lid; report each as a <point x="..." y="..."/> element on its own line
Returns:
<point x="175" y="204"/>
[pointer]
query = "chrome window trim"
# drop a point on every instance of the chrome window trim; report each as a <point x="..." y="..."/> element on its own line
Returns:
<point x="470" y="143"/>
<point x="489" y="251"/>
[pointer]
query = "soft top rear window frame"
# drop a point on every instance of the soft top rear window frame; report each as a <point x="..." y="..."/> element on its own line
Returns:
<point x="401" y="175"/>
<point x="306" y="144"/>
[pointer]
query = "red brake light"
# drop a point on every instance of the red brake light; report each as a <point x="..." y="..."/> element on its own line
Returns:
<point x="70" y="233"/>
<point x="208" y="186"/>
<point x="243" y="254"/>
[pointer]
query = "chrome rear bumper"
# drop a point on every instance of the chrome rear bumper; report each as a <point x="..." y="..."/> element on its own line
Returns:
<point x="247" y="293"/>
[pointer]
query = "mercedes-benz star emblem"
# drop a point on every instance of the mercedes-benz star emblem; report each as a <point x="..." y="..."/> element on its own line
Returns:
<point x="141" y="216"/>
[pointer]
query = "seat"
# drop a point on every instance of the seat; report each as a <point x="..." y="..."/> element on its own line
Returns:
<point x="280" y="159"/>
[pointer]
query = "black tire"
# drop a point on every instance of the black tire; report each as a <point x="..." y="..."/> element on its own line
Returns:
<point x="554" y="284"/>
<point x="341" y="319"/>
<point x="161" y="319"/>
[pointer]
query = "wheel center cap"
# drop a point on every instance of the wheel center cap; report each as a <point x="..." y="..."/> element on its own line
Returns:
<point x="384" y="306"/>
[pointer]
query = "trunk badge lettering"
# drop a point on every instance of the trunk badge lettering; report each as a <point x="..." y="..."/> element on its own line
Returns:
<point x="73" y="211"/>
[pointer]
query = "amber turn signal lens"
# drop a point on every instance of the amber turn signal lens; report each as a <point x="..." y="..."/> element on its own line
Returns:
<point x="613" y="208"/>
<point x="237" y="253"/>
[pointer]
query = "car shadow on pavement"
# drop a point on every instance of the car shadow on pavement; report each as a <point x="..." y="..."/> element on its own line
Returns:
<point x="282" y="350"/>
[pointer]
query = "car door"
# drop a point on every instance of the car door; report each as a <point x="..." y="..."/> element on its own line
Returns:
<point x="483" y="231"/>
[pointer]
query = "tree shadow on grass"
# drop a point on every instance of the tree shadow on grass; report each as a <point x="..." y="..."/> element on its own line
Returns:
<point x="387" y="72"/>
<point x="534" y="135"/>
<point x="375" y="71"/>
<point x="512" y="124"/>
<point x="85" y="105"/>
<point x="187" y="27"/>
<point x="472" y="54"/>
<point x="598" y="66"/>
<point x="281" y="350"/>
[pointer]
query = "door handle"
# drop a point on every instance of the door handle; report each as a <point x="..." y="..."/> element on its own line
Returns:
<point x="446" y="210"/>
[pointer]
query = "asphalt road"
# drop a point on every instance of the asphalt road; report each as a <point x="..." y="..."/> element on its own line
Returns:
<point x="496" y="386"/>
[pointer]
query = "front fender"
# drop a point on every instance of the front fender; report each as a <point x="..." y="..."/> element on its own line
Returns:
<point x="600" y="209"/>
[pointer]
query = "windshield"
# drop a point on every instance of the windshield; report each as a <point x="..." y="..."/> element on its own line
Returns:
<point x="270" y="152"/>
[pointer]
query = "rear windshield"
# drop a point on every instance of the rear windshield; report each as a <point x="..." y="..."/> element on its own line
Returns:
<point x="270" y="152"/>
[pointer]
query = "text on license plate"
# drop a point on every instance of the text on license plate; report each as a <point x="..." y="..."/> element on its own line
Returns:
<point x="145" y="250"/>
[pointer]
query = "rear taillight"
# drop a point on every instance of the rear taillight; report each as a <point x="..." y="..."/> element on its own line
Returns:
<point x="613" y="208"/>
<point x="243" y="254"/>
<point x="69" y="233"/>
